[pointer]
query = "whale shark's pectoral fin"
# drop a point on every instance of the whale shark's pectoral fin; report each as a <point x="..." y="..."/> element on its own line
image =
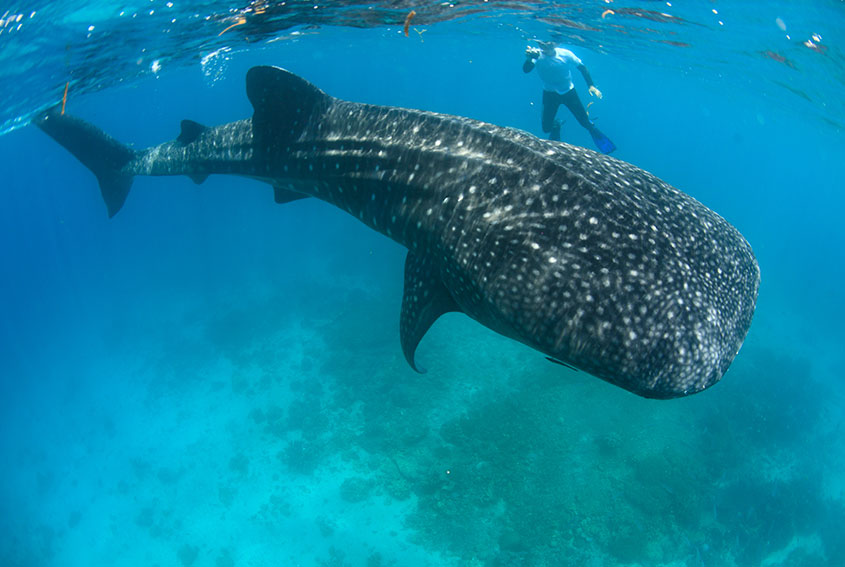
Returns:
<point x="282" y="195"/>
<point x="424" y="300"/>
<point x="190" y="132"/>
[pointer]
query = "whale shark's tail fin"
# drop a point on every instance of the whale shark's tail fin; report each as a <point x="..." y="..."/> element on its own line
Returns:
<point x="99" y="152"/>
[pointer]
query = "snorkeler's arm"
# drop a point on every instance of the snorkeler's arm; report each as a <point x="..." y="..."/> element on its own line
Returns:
<point x="591" y="88"/>
<point x="586" y="74"/>
<point x="531" y="55"/>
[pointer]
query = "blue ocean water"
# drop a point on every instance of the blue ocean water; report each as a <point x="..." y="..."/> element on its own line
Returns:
<point x="213" y="379"/>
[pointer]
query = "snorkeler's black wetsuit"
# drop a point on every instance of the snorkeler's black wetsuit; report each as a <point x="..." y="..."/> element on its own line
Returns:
<point x="552" y="101"/>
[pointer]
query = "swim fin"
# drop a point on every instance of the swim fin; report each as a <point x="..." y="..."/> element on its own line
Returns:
<point x="603" y="143"/>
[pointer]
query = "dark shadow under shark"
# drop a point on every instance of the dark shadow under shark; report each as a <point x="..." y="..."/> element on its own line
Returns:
<point x="588" y="259"/>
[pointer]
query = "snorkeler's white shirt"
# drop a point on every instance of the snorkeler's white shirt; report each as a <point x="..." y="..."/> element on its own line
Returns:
<point x="555" y="71"/>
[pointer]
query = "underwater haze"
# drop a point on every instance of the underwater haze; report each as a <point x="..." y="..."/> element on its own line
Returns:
<point x="213" y="379"/>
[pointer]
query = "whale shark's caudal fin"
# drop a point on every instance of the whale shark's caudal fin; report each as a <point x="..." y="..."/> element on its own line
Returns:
<point x="98" y="151"/>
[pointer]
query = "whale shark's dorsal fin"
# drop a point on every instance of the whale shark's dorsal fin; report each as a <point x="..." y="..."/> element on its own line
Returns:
<point x="282" y="103"/>
<point x="424" y="299"/>
<point x="198" y="178"/>
<point x="190" y="131"/>
<point x="556" y="361"/>
<point x="188" y="134"/>
<point x="282" y="195"/>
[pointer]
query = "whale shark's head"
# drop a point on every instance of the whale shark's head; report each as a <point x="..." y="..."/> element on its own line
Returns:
<point x="657" y="313"/>
<point x="610" y="270"/>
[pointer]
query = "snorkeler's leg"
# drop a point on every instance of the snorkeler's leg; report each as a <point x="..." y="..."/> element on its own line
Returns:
<point x="551" y="102"/>
<point x="573" y="103"/>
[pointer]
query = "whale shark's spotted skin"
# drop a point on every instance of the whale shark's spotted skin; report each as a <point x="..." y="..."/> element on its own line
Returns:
<point x="586" y="258"/>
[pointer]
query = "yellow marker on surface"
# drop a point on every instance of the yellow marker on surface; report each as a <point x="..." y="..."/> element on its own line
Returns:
<point x="607" y="13"/>
<point x="64" y="97"/>
<point x="241" y="21"/>
<point x="408" y="19"/>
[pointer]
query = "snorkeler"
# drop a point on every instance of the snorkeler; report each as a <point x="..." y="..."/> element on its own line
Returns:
<point x="552" y="64"/>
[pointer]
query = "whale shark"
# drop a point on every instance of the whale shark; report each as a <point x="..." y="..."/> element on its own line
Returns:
<point x="594" y="262"/>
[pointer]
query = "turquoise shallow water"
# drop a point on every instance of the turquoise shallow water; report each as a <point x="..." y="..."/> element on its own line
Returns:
<point x="213" y="379"/>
